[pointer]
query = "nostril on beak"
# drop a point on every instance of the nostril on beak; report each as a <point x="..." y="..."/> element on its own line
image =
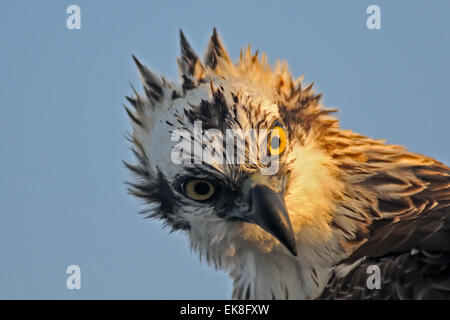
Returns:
<point x="243" y="206"/>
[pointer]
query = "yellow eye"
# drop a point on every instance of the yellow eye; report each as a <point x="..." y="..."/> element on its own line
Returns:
<point x="277" y="141"/>
<point x="199" y="190"/>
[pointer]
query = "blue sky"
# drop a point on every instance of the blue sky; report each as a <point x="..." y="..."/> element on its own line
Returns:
<point x="62" y="125"/>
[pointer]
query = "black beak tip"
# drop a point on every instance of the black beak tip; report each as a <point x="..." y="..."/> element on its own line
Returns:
<point x="293" y="250"/>
<point x="291" y="246"/>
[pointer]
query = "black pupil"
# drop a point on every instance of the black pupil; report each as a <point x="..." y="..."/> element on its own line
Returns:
<point x="275" y="142"/>
<point x="201" y="188"/>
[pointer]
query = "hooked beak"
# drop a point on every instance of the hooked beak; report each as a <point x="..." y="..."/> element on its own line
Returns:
<point x="268" y="211"/>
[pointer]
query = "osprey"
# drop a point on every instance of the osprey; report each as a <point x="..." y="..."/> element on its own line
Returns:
<point x="338" y="206"/>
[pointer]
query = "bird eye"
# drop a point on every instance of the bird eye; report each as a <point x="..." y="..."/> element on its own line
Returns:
<point x="199" y="190"/>
<point x="277" y="141"/>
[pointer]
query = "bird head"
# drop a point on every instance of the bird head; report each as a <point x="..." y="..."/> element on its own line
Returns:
<point x="235" y="154"/>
